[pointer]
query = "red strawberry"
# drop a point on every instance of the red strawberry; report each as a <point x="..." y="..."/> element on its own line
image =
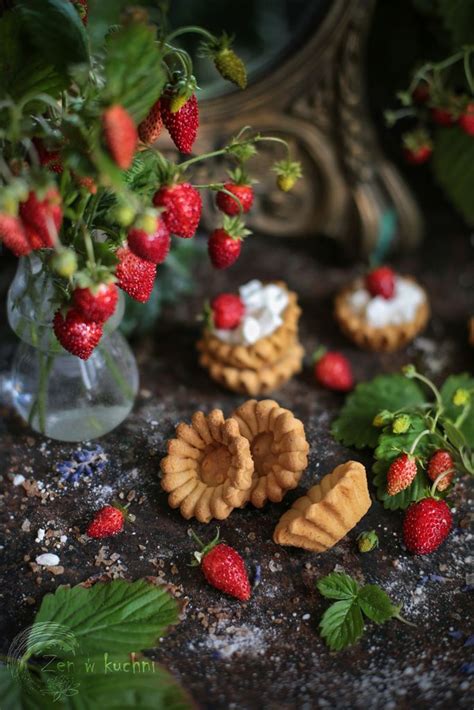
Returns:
<point x="442" y="116"/>
<point x="466" y="119"/>
<point x="87" y="183"/>
<point x="183" y="124"/>
<point x="151" y="126"/>
<point x="334" y="371"/>
<point x="82" y="8"/>
<point x="151" y="247"/>
<point x="228" y="205"/>
<point x="224" y="568"/>
<point x="13" y="235"/>
<point x="120" y="135"/>
<point x="108" y="521"/>
<point x="381" y="282"/>
<point x="426" y="525"/>
<point x="135" y="275"/>
<point x="419" y="155"/>
<point x="42" y="217"/>
<point x="183" y="205"/>
<point x="96" y="303"/>
<point x="401" y="473"/>
<point x="227" y="311"/>
<point x="223" y="249"/>
<point x="440" y="462"/>
<point x="76" y="334"/>
<point x="49" y="158"/>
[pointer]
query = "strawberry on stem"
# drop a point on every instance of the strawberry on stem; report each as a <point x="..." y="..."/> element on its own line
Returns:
<point x="13" y="235"/>
<point x="42" y="218"/>
<point x="135" y="276"/>
<point x="77" y="335"/>
<point x="426" y="525"/>
<point x="150" y="128"/>
<point x="223" y="568"/>
<point x="441" y="469"/>
<point x="120" y="135"/>
<point x="182" y="208"/>
<point x="96" y="302"/>
<point x="401" y="474"/>
<point x="417" y="146"/>
<point x="182" y="125"/>
<point x="466" y="119"/>
<point x="225" y="243"/>
<point x="333" y="370"/>
<point x="243" y="191"/>
<point x="152" y="247"/>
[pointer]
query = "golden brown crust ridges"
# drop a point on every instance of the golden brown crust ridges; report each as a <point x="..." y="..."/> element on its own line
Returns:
<point x="384" y="339"/>
<point x="209" y="470"/>
<point x="471" y="331"/>
<point x="328" y="511"/>
<point x="278" y="447"/>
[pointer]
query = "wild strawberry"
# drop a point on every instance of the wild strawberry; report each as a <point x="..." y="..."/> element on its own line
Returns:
<point x="441" y="462"/>
<point x="224" y="568"/>
<point x="442" y="116"/>
<point x="287" y="172"/>
<point x="421" y="92"/>
<point x="13" y="235"/>
<point x="82" y="9"/>
<point x="135" y="276"/>
<point x="48" y="158"/>
<point x="120" y="135"/>
<point x="107" y="522"/>
<point x="426" y="525"/>
<point x="77" y="335"/>
<point x="419" y="155"/>
<point x="182" y="125"/>
<point x="183" y="206"/>
<point x="151" y="247"/>
<point x="381" y="282"/>
<point x="227" y="311"/>
<point x="96" y="303"/>
<point x="225" y="244"/>
<point x="466" y="119"/>
<point x="334" y="371"/>
<point x="151" y="126"/>
<point x="231" y="67"/>
<point x="400" y="474"/>
<point x="43" y="217"/>
<point x="87" y="183"/>
<point x="417" y="146"/>
<point x="228" y="205"/>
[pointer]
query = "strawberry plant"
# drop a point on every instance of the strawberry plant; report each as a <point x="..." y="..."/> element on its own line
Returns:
<point x="83" y="185"/>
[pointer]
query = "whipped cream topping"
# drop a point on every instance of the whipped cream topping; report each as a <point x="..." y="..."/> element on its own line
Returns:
<point x="264" y="307"/>
<point x="379" y="311"/>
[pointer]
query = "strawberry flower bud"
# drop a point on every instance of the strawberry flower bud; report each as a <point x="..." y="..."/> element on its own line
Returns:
<point x="401" y="424"/>
<point x="382" y="418"/>
<point x="367" y="541"/>
<point x="461" y="397"/>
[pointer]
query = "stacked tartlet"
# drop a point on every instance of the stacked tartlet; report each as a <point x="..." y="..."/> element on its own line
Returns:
<point x="383" y="311"/>
<point x="250" y="341"/>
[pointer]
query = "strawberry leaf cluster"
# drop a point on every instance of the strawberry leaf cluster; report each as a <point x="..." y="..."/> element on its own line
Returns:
<point x="396" y="415"/>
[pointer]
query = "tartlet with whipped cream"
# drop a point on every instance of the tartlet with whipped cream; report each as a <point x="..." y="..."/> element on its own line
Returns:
<point x="258" y="350"/>
<point x="384" y="311"/>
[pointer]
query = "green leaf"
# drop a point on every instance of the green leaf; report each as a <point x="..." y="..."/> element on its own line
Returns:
<point x="56" y="30"/>
<point x="120" y="616"/>
<point x="453" y="383"/>
<point x="342" y="624"/>
<point x="453" y="166"/>
<point x="458" y="18"/>
<point x="18" y="696"/>
<point x="417" y="490"/>
<point x="376" y="604"/>
<point x="338" y="585"/>
<point x="134" y="72"/>
<point x="354" y="425"/>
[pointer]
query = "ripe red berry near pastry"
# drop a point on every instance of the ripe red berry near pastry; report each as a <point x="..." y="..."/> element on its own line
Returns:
<point x="227" y="310"/>
<point x="223" y="568"/>
<point x="333" y="370"/>
<point x="426" y="525"/>
<point x="107" y="522"/>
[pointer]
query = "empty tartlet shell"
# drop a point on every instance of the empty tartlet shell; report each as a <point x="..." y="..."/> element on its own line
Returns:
<point x="278" y="447"/>
<point x="328" y="511"/>
<point x="209" y="470"/>
<point x="266" y="351"/>
<point x="255" y="382"/>
<point x="385" y="339"/>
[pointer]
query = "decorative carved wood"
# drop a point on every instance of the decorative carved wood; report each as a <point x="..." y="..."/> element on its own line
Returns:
<point x="316" y="101"/>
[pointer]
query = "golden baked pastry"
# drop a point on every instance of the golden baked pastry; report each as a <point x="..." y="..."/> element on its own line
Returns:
<point x="327" y="512"/>
<point x="471" y="331"/>
<point x="255" y="382"/>
<point x="266" y="351"/>
<point x="379" y="339"/>
<point x="278" y="447"/>
<point x="208" y="471"/>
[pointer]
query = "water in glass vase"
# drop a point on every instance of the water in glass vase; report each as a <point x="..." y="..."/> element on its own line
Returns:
<point x="58" y="394"/>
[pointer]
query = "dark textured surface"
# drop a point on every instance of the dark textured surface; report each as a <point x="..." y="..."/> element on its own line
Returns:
<point x="266" y="653"/>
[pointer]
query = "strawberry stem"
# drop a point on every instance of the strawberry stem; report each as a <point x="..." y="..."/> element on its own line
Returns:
<point x="417" y="441"/>
<point x="190" y="29"/>
<point x="439" y="478"/>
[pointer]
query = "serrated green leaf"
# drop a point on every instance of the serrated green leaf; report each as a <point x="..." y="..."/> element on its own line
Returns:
<point x="376" y="604"/>
<point x="455" y="435"/>
<point x="338" y="585"/>
<point x="55" y="29"/>
<point x="453" y="383"/>
<point x="458" y="18"/>
<point x="354" y="425"/>
<point x="417" y="490"/>
<point x="453" y="166"/>
<point x="120" y="616"/>
<point x="134" y="73"/>
<point x="342" y="624"/>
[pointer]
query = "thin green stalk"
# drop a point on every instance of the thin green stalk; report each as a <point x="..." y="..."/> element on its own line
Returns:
<point x="116" y="374"/>
<point x="189" y="29"/>
<point x="205" y="156"/>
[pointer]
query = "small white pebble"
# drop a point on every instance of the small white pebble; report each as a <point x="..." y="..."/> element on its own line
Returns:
<point x="18" y="479"/>
<point x="63" y="538"/>
<point x="305" y="617"/>
<point x="47" y="560"/>
<point x="40" y="535"/>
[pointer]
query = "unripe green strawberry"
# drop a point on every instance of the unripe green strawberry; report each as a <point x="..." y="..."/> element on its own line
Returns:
<point x="231" y="67"/>
<point x="367" y="541"/>
<point x="64" y="263"/>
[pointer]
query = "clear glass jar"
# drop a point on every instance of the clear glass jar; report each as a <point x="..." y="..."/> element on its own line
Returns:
<point x="58" y="394"/>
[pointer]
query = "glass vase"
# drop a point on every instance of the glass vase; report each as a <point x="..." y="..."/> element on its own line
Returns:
<point x="58" y="394"/>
